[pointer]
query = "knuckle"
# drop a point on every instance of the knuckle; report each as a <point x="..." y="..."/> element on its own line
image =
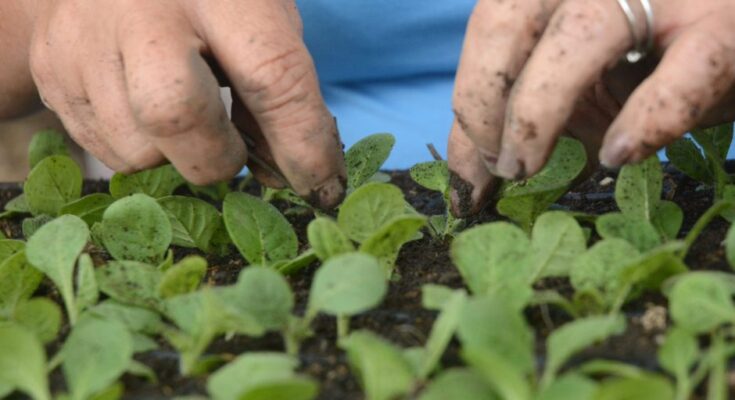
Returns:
<point x="585" y="20"/>
<point x="170" y="111"/>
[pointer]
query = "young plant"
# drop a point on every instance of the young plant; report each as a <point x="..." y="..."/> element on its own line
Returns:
<point x="22" y="363"/>
<point x="645" y="220"/>
<point x="524" y="201"/>
<point x="364" y="158"/>
<point x="261" y="376"/>
<point x="156" y="182"/>
<point x="434" y="175"/>
<point x="195" y="223"/>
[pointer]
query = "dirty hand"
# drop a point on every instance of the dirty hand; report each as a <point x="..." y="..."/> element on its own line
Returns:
<point x="133" y="83"/>
<point x="534" y="69"/>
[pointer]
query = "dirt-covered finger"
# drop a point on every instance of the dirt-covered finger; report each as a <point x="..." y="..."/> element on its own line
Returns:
<point x="471" y="182"/>
<point x="694" y="74"/>
<point x="583" y="39"/>
<point x="500" y="36"/>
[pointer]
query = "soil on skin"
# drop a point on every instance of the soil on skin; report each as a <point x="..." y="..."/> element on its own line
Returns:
<point x="401" y="318"/>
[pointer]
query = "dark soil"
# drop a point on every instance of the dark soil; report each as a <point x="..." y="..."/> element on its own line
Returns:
<point x="401" y="318"/>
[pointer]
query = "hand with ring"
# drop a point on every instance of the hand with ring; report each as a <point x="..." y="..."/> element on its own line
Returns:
<point x="626" y="77"/>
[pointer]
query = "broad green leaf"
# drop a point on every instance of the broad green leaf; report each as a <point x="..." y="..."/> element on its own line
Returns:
<point x="678" y="353"/>
<point x="136" y="319"/>
<point x="130" y="282"/>
<point x="347" y="284"/>
<point x="730" y="246"/>
<point x="96" y="354"/>
<point x="597" y="270"/>
<point x="88" y="292"/>
<point x="387" y="241"/>
<point x="89" y="208"/>
<point x="366" y="157"/>
<point x="23" y="362"/>
<point x="442" y="332"/>
<point x="368" y="208"/>
<point x="433" y="175"/>
<point x="651" y="269"/>
<point x="216" y="191"/>
<point x="194" y="222"/>
<point x="557" y="239"/>
<point x="266" y="295"/>
<point x="434" y="297"/>
<point x="633" y="229"/>
<point x="54" y="250"/>
<point x="18" y="281"/>
<point x="571" y="386"/>
<point x="157" y="182"/>
<point x="647" y="387"/>
<point x="715" y="141"/>
<point x="638" y="189"/>
<point x="8" y="247"/>
<point x="487" y="322"/>
<point x="576" y="336"/>
<point x="459" y="384"/>
<point x="258" y="229"/>
<point x="700" y="302"/>
<point x="290" y="267"/>
<point x="136" y="228"/>
<point x="327" y="239"/>
<point x="507" y="381"/>
<point x="41" y="316"/>
<point x="490" y="255"/>
<point x="262" y="376"/>
<point x="686" y="157"/>
<point x="524" y="209"/>
<point x="31" y="224"/>
<point x="18" y="205"/>
<point x="52" y="183"/>
<point x="668" y="218"/>
<point x="384" y="373"/>
<point x="201" y="316"/>
<point x="183" y="277"/>
<point x="44" y="144"/>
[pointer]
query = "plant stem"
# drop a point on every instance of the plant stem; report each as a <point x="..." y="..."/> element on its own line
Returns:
<point x="291" y="342"/>
<point x="343" y="326"/>
<point x="702" y="223"/>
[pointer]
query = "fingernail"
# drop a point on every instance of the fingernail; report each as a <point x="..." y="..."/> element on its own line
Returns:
<point x="329" y="194"/>
<point x="510" y="167"/>
<point x="614" y="154"/>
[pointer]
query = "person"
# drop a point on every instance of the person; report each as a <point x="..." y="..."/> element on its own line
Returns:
<point x="136" y="83"/>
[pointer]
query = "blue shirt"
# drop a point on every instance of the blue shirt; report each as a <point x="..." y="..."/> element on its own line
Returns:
<point x="388" y="66"/>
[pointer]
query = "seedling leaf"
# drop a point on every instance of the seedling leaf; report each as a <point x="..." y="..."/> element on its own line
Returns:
<point x="596" y="272"/>
<point x="507" y="381"/>
<point x="678" y="354"/>
<point x="194" y="222"/>
<point x="52" y="183"/>
<point x="261" y="376"/>
<point x="346" y="285"/>
<point x="699" y="302"/>
<point x="368" y="208"/>
<point x="95" y="354"/>
<point x="89" y="208"/>
<point x="442" y="332"/>
<point x="183" y="277"/>
<point x="258" y="229"/>
<point x="384" y="373"/>
<point x="387" y="241"/>
<point x="156" y="182"/>
<point x="130" y="282"/>
<point x="458" y="384"/>
<point x="54" y="250"/>
<point x="668" y="218"/>
<point x="18" y="281"/>
<point x="633" y="229"/>
<point x="31" y="224"/>
<point x="87" y="290"/>
<point x="266" y="295"/>
<point x="136" y="228"/>
<point x="327" y="239"/>
<point x="557" y="239"/>
<point x="433" y="175"/>
<point x="23" y="362"/>
<point x="41" y="316"/>
<point x="44" y="144"/>
<point x="570" y="387"/>
<point x="649" y="387"/>
<point x="638" y="189"/>
<point x="366" y="157"/>
<point x="685" y="155"/>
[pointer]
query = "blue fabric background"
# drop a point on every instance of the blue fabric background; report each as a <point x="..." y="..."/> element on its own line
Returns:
<point x="388" y="66"/>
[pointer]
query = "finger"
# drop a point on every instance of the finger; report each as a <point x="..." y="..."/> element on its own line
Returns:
<point x="696" y="71"/>
<point x="471" y="182"/>
<point x="584" y="38"/>
<point x="500" y="36"/>
<point x="175" y="99"/>
<point x="105" y="84"/>
<point x="272" y="72"/>
<point x="260" y="159"/>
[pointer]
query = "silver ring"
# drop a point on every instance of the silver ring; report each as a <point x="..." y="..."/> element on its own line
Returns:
<point x="641" y="44"/>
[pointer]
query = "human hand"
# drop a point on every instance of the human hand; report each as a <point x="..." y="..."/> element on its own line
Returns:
<point x="133" y="83"/>
<point x="532" y="70"/>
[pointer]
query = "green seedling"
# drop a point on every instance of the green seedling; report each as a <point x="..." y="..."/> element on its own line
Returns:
<point x="157" y="182"/>
<point x="136" y="228"/>
<point x="194" y="223"/>
<point x="54" y="182"/>
<point x="89" y="208"/>
<point x="22" y="363"/>
<point x="524" y="201"/>
<point x="46" y="143"/>
<point x="261" y="376"/>
<point x="434" y="175"/>
<point x="364" y="158"/>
